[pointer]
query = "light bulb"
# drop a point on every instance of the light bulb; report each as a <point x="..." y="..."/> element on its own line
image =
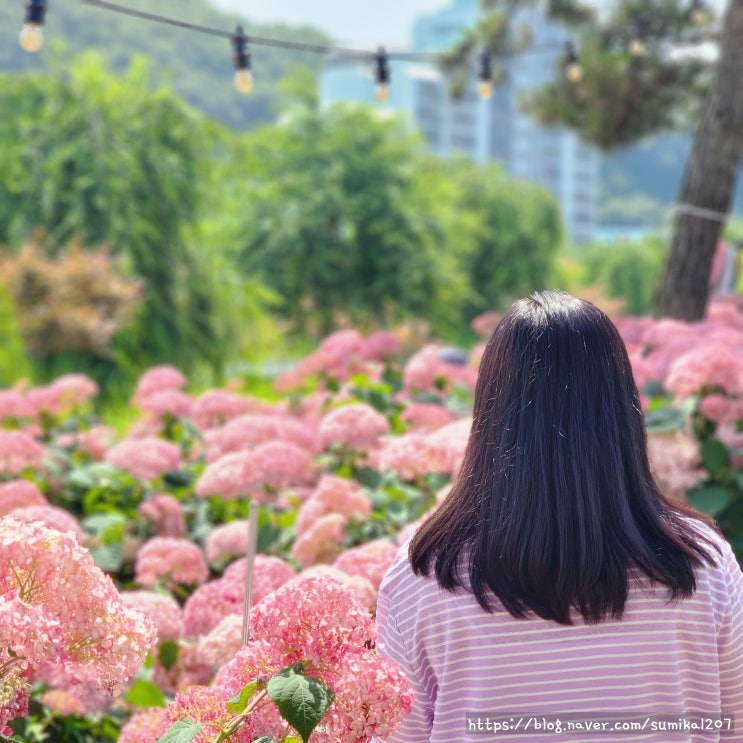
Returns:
<point x="244" y="82"/>
<point x="31" y="37"/>
<point x="485" y="89"/>
<point x="636" y="47"/>
<point x="383" y="92"/>
<point x="574" y="72"/>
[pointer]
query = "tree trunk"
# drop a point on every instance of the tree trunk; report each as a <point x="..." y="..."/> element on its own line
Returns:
<point x="709" y="183"/>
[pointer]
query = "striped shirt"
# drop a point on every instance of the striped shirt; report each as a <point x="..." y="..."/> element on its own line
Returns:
<point x="664" y="665"/>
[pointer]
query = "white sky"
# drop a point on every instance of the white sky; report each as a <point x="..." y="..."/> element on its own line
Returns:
<point x="347" y="21"/>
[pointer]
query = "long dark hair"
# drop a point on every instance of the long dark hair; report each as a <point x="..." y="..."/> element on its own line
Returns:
<point x="555" y="504"/>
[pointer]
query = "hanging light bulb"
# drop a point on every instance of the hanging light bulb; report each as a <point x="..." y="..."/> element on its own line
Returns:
<point x="382" y="75"/>
<point x="700" y="13"/>
<point x="243" y="80"/>
<point x="573" y="70"/>
<point x="485" y="86"/>
<point x="637" y="42"/>
<point x="32" y="33"/>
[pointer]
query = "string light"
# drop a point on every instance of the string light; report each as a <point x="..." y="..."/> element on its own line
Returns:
<point x="382" y="75"/>
<point x="637" y="42"/>
<point x="243" y="80"/>
<point x="32" y="34"/>
<point x="485" y="86"/>
<point x="700" y="13"/>
<point x="573" y="70"/>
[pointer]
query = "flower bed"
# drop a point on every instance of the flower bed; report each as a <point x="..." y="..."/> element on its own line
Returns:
<point x="122" y="583"/>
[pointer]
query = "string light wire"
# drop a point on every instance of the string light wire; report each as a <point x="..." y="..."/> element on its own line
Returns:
<point x="379" y="58"/>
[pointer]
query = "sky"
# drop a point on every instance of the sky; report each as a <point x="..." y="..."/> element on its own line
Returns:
<point x="347" y="21"/>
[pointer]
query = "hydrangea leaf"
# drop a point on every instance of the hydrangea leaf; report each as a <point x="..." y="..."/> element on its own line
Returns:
<point x="238" y="704"/>
<point x="302" y="700"/>
<point x="183" y="731"/>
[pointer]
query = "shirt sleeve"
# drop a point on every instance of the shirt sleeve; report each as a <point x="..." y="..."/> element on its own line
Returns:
<point x="416" y="726"/>
<point x="730" y="645"/>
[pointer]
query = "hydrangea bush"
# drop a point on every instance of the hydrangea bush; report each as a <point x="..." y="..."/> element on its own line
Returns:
<point x="122" y="579"/>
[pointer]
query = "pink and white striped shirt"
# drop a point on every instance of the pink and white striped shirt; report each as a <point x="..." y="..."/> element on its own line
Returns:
<point x="678" y="663"/>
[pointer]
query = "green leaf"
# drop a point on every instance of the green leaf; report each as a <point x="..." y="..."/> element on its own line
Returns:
<point x="167" y="654"/>
<point x="238" y="704"/>
<point x="709" y="498"/>
<point x="664" y="419"/>
<point x="302" y="700"/>
<point x="264" y="739"/>
<point x="108" y="557"/>
<point x="145" y="694"/>
<point x="714" y="456"/>
<point x="182" y="732"/>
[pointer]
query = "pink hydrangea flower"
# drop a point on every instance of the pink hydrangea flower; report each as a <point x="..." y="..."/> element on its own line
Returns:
<point x="426" y="416"/>
<point x="51" y="516"/>
<point x="357" y="426"/>
<point x="176" y="560"/>
<point x="157" y="379"/>
<point x="207" y="707"/>
<point x="720" y="408"/>
<point x="226" y="542"/>
<point x="676" y="463"/>
<point x="248" y="431"/>
<point x="14" y="405"/>
<point x="15" y="697"/>
<point x="339" y="356"/>
<point x="453" y="437"/>
<point x="412" y="456"/>
<point x="162" y="610"/>
<point x="225" y="477"/>
<point x="317" y="621"/>
<point x="371" y="560"/>
<point x="63" y="702"/>
<point x="44" y="399"/>
<point x="322" y="624"/>
<point x="705" y="365"/>
<point x="333" y="495"/>
<point x="74" y="390"/>
<point x="320" y="542"/>
<point x="372" y="697"/>
<point x="61" y="614"/>
<point x="361" y="586"/>
<point x="269" y="574"/>
<point x="145" y="458"/>
<point x="222" y="643"/>
<point x="167" y="402"/>
<point x="209" y="604"/>
<point x="216" y="407"/>
<point x="19" y="494"/>
<point x="485" y="324"/>
<point x="143" y="727"/>
<point x="96" y="441"/>
<point x="381" y="345"/>
<point x="275" y="465"/>
<point x="19" y="451"/>
<point x="166" y="513"/>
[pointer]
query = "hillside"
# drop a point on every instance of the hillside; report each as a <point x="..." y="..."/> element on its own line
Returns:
<point x="199" y="66"/>
<point x="640" y="182"/>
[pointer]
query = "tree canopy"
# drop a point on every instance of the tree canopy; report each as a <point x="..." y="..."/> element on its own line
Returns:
<point x="105" y="159"/>
<point x="635" y="82"/>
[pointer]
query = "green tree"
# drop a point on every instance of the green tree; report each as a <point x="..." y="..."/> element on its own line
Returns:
<point x="336" y="221"/>
<point x="623" y="97"/>
<point x="514" y="231"/>
<point x="107" y="160"/>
